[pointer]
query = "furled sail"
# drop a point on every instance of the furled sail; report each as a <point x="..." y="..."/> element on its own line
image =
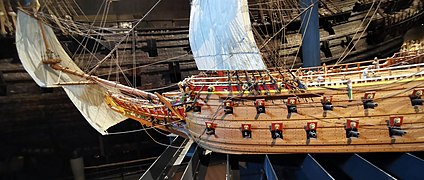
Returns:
<point x="221" y="36"/>
<point x="88" y="98"/>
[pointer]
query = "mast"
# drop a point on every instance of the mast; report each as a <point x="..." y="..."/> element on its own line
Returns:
<point x="310" y="32"/>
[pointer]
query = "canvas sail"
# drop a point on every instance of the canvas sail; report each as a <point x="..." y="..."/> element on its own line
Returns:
<point x="88" y="98"/>
<point x="221" y="36"/>
<point x="90" y="101"/>
<point x="31" y="49"/>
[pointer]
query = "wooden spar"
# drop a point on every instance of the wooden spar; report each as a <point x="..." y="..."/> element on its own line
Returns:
<point x="69" y="71"/>
<point x="146" y="95"/>
<point x="75" y="83"/>
<point x="44" y="35"/>
<point x="169" y="105"/>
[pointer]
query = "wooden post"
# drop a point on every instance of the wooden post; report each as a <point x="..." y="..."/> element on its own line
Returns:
<point x="134" y="43"/>
<point x="43" y="34"/>
<point x="3" y="85"/>
<point x="310" y="32"/>
<point x="77" y="166"/>
<point x="3" y="19"/>
<point x="174" y="71"/>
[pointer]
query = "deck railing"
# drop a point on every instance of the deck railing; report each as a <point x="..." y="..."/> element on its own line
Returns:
<point x="386" y="72"/>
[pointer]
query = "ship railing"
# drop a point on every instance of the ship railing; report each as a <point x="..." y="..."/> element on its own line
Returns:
<point x="363" y="64"/>
<point x="408" y="53"/>
<point x="334" y="70"/>
<point x="409" y="66"/>
<point x="367" y="80"/>
<point x="327" y="77"/>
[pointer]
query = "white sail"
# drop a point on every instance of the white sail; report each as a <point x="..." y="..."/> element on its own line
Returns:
<point x="90" y="101"/>
<point x="31" y="49"/>
<point x="221" y="36"/>
<point x="88" y="98"/>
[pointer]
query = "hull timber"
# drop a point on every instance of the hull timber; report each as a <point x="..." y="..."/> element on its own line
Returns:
<point x="331" y="134"/>
<point x="393" y="87"/>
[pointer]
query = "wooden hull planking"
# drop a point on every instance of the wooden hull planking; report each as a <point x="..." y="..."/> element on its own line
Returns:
<point x="392" y="98"/>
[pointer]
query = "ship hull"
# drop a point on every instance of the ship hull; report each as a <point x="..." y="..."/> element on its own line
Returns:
<point x="392" y="98"/>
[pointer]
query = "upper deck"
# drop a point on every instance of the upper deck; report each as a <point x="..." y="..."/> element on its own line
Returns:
<point x="399" y="66"/>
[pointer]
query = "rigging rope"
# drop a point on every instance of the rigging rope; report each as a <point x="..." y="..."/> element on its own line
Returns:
<point x="342" y="56"/>
<point x="157" y="142"/>
<point x="282" y="28"/>
<point x="120" y="41"/>
<point x="153" y="63"/>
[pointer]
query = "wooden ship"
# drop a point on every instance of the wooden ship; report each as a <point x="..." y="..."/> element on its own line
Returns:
<point x="344" y="111"/>
<point x="239" y="106"/>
